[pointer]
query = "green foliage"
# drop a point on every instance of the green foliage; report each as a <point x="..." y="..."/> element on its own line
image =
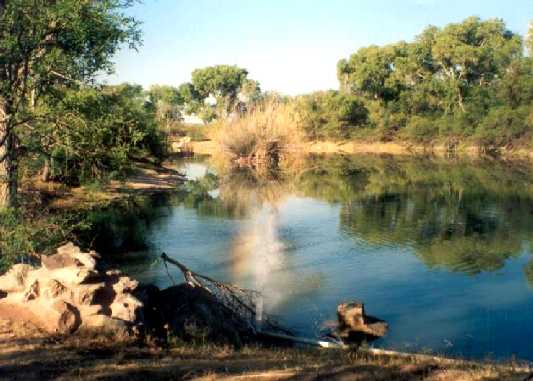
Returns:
<point x="45" y="47"/>
<point x="456" y="74"/>
<point x="165" y="102"/>
<point x="421" y="129"/>
<point x="330" y="114"/>
<point x="502" y="126"/>
<point x="225" y="84"/>
<point x="24" y="235"/>
<point x="95" y="132"/>
<point x="529" y="39"/>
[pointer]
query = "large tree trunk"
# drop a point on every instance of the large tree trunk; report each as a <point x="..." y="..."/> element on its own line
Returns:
<point x="8" y="164"/>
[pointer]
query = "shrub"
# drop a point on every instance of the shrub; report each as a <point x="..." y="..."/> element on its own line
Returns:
<point x="24" y="234"/>
<point x="97" y="131"/>
<point x="502" y="126"/>
<point x="420" y="129"/>
<point x="330" y="115"/>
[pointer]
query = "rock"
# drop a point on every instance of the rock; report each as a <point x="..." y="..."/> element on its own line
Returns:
<point x="69" y="256"/>
<point x="67" y="318"/>
<point x="105" y="324"/>
<point x="89" y="310"/>
<point x="125" y="307"/>
<point x="69" y="291"/>
<point x="355" y="325"/>
<point x="73" y="275"/>
<point x="86" y="294"/>
<point x="15" y="279"/>
<point x="125" y="284"/>
<point x="87" y="260"/>
<point x="54" y="289"/>
<point x="32" y="292"/>
<point x="68" y="249"/>
<point x="192" y="313"/>
<point x="60" y="261"/>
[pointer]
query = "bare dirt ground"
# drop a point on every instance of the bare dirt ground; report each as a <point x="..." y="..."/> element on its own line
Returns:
<point x="26" y="353"/>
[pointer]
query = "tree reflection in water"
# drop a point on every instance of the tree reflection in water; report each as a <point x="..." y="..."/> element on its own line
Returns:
<point x="461" y="215"/>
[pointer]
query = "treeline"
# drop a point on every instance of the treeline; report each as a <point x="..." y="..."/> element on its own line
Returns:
<point x="469" y="80"/>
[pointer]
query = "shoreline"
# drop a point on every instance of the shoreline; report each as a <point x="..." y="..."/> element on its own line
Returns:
<point x="209" y="147"/>
<point x="97" y="357"/>
<point x="147" y="178"/>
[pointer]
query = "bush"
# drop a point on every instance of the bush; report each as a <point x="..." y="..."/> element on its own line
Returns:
<point x="420" y="129"/>
<point x="24" y="234"/>
<point x="502" y="126"/>
<point x="272" y="121"/>
<point x="330" y="115"/>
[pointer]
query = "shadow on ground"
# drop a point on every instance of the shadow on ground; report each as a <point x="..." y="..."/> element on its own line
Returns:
<point x="27" y="354"/>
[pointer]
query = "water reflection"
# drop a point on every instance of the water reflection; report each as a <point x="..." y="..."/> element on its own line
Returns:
<point x="468" y="217"/>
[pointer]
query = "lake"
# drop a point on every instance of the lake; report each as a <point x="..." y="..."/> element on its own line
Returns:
<point x="440" y="249"/>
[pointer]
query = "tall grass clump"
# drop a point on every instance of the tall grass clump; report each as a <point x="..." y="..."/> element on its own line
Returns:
<point x="271" y="122"/>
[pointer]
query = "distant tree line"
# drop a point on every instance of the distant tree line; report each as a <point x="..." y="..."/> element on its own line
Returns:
<point x="465" y="80"/>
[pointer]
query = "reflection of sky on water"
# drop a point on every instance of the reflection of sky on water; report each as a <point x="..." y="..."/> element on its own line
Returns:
<point x="306" y="263"/>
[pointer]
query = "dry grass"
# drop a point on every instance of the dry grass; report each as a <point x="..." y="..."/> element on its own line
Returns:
<point x="272" y="121"/>
<point x="27" y="354"/>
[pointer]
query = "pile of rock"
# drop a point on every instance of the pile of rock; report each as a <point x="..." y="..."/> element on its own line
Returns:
<point x="69" y="293"/>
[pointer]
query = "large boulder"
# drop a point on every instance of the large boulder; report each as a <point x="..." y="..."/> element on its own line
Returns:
<point x="68" y="293"/>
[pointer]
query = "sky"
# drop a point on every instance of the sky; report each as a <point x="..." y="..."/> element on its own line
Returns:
<point x="289" y="46"/>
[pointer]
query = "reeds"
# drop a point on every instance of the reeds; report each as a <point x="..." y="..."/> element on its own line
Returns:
<point x="242" y="136"/>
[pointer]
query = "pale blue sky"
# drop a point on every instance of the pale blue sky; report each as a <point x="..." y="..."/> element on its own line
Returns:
<point x="291" y="46"/>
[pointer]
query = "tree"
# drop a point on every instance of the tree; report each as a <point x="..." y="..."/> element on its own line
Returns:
<point x="93" y="132"/>
<point x="330" y="114"/>
<point x="367" y="72"/>
<point x="165" y="102"/>
<point x="473" y="53"/>
<point x="250" y="92"/>
<point x="458" y="72"/>
<point x="45" y="45"/>
<point x="223" y="83"/>
<point x="529" y="39"/>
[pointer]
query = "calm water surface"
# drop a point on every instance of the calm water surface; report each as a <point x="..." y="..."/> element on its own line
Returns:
<point x="439" y="249"/>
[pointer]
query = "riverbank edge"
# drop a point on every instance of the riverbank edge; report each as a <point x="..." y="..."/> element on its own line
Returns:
<point x="97" y="357"/>
<point x="145" y="178"/>
<point x="210" y="147"/>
